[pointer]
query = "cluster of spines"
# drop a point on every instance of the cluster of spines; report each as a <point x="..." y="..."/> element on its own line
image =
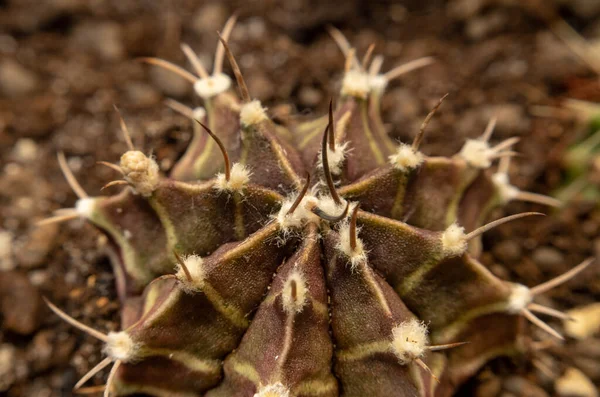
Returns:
<point x="228" y="235"/>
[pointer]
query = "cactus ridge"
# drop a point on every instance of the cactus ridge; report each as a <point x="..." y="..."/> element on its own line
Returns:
<point x="316" y="259"/>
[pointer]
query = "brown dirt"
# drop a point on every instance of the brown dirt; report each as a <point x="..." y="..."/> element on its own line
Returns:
<point x="64" y="63"/>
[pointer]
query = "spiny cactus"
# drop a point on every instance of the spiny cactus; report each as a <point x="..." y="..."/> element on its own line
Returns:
<point x="260" y="282"/>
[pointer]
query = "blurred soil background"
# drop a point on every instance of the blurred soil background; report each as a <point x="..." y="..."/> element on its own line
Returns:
<point x="64" y="63"/>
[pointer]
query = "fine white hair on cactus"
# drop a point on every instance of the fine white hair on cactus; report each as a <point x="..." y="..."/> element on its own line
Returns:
<point x="506" y="191"/>
<point x="85" y="207"/>
<point x="328" y="205"/>
<point x="454" y="240"/>
<point x="211" y="86"/>
<point x="300" y="216"/>
<point x="520" y="300"/>
<point x="295" y="293"/>
<point x="140" y="171"/>
<point x="477" y="153"/>
<point x="520" y="297"/>
<point x="378" y="83"/>
<point x="356" y="84"/>
<point x="406" y="158"/>
<point x="199" y="113"/>
<point x="120" y="346"/>
<point x="356" y="255"/>
<point x="273" y="390"/>
<point x="409" y="340"/>
<point x="252" y="113"/>
<point x="190" y="272"/>
<point x="240" y="176"/>
<point x="335" y="158"/>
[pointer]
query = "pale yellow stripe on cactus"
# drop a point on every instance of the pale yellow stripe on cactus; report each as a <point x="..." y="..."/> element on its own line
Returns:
<point x="413" y="280"/>
<point x="376" y="289"/>
<point x="311" y="129"/>
<point x="190" y="361"/>
<point x="286" y="165"/>
<point x="150" y="300"/>
<point x="468" y="177"/>
<point x="246" y="370"/>
<point x="340" y="127"/>
<point x="240" y="228"/>
<point x="448" y="333"/>
<point x="250" y="243"/>
<point x="365" y="350"/>
<point x="379" y="157"/>
<point x="170" y="233"/>
<point x="130" y="259"/>
<point x="210" y="143"/>
<point x="194" y="188"/>
<point x="229" y="311"/>
<point x="315" y="387"/>
<point x="399" y="199"/>
<point x="127" y="389"/>
<point x="310" y="136"/>
<point x="375" y="100"/>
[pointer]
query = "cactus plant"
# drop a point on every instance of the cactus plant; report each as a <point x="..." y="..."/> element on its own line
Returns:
<point x="322" y="259"/>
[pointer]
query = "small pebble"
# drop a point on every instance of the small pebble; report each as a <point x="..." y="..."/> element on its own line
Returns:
<point x="25" y="150"/>
<point x="7" y="364"/>
<point x="48" y="350"/>
<point x="6" y="258"/>
<point x="523" y="387"/>
<point x="507" y="251"/>
<point x="20" y="303"/>
<point x="586" y="321"/>
<point x="33" y="252"/>
<point x="209" y="18"/>
<point x="102" y="38"/>
<point x="548" y="259"/>
<point x="15" y="80"/>
<point x="574" y="383"/>
<point x="310" y="96"/>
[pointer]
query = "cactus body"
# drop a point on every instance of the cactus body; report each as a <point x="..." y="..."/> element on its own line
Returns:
<point x="257" y="282"/>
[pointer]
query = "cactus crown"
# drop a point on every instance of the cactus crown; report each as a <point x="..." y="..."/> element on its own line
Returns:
<point x="317" y="259"/>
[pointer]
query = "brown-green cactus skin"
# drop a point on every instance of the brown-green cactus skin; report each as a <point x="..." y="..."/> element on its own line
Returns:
<point x="259" y="282"/>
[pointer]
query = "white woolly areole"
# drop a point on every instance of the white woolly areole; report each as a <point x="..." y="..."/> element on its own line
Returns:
<point x="140" y="171"/>
<point x="300" y="216"/>
<point x="238" y="178"/>
<point x="252" y="113"/>
<point x="357" y="255"/>
<point x="85" y="207"/>
<point x="212" y="85"/>
<point x="194" y="265"/>
<point x="295" y="293"/>
<point x="406" y="158"/>
<point x="356" y="84"/>
<point x="335" y="157"/>
<point x="520" y="297"/>
<point x="120" y="346"/>
<point x="199" y="113"/>
<point x="329" y="206"/>
<point x="454" y="240"/>
<point x="477" y="153"/>
<point x="506" y="191"/>
<point x="274" y="390"/>
<point x="378" y="83"/>
<point x="409" y="340"/>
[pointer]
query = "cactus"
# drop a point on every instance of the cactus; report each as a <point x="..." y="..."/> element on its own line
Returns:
<point x="318" y="259"/>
